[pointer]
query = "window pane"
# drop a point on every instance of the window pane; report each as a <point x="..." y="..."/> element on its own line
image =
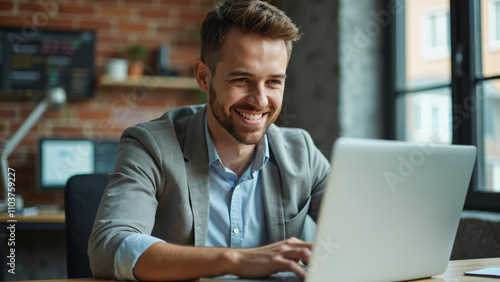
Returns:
<point x="427" y="32"/>
<point x="490" y="32"/>
<point x="425" y="116"/>
<point x="490" y="125"/>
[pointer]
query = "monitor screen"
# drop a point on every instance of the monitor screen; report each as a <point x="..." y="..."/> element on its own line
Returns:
<point x="59" y="159"/>
<point x="31" y="62"/>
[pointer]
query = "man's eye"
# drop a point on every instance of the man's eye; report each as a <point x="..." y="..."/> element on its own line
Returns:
<point x="275" y="82"/>
<point x="239" y="80"/>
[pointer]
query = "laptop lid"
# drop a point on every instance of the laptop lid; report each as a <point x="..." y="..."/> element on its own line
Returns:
<point x="390" y="211"/>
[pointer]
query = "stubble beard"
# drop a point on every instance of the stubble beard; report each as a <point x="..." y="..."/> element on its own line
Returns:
<point x="247" y="137"/>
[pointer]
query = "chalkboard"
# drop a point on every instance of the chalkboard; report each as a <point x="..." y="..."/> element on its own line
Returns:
<point x="35" y="60"/>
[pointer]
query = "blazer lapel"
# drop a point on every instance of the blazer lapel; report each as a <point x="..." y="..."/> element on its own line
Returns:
<point x="196" y="162"/>
<point x="272" y="198"/>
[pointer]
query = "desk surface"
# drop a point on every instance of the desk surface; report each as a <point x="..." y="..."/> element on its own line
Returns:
<point x="58" y="217"/>
<point x="454" y="272"/>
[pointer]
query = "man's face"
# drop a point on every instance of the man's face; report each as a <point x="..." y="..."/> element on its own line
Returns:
<point x="246" y="92"/>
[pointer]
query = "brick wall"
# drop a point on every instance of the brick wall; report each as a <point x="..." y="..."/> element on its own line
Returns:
<point x="117" y="23"/>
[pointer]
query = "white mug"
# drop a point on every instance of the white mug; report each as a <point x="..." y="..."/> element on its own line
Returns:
<point x="117" y="69"/>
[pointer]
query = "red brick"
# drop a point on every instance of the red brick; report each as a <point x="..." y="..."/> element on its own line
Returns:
<point x="155" y="13"/>
<point x="95" y="24"/>
<point x="8" y="113"/>
<point x="112" y="131"/>
<point x="6" y="6"/>
<point x="4" y="129"/>
<point x="92" y="115"/>
<point x="117" y="44"/>
<point x="188" y="43"/>
<point x="107" y="53"/>
<point x="137" y="27"/>
<point x="170" y="29"/>
<point x="191" y="16"/>
<point x="39" y="7"/>
<point x="185" y="3"/>
<point x="183" y="57"/>
<point x="76" y="9"/>
<point x="64" y="113"/>
<point x="15" y="126"/>
<point x="113" y="12"/>
<point x="59" y="24"/>
<point x="30" y="140"/>
<point x="12" y="21"/>
<point x="68" y="131"/>
<point x="79" y="103"/>
<point x="153" y="44"/>
<point x="141" y="2"/>
<point x="93" y="2"/>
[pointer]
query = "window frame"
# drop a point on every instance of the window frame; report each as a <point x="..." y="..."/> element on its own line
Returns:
<point x="465" y="78"/>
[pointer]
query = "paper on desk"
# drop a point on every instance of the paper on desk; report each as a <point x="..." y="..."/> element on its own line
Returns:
<point x="486" y="272"/>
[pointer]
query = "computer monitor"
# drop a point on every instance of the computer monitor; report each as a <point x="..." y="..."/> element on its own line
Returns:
<point x="59" y="159"/>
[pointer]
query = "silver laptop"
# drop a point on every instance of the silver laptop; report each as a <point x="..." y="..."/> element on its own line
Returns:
<point x="390" y="211"/>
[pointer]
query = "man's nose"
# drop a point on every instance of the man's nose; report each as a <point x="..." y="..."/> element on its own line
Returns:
<point x="258" y="96"/>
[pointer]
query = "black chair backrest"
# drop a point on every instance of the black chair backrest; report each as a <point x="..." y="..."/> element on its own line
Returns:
<point x="81" y="197"/>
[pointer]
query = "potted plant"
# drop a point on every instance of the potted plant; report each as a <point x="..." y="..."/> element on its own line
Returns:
<point x="136" y="55"/>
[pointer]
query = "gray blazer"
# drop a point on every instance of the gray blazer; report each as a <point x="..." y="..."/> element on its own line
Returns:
<point x="161" y="185"/>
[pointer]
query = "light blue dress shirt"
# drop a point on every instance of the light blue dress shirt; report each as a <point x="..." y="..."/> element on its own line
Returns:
<point x="237" y="216"/>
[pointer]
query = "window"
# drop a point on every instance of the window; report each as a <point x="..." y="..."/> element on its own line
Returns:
<point x="446" y="83"/>
<point x="494" y="24"/>
<point x="435" y="33"/>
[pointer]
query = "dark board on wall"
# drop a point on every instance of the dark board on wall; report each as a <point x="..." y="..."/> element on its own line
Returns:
<point x="33" y="61"/>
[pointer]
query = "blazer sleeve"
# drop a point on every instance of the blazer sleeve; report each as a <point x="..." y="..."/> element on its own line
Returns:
<point x="129" y="202"/>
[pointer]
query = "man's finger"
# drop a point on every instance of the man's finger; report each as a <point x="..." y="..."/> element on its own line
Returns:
<point x="290" y="265"/>
<point x="298" y="254"/>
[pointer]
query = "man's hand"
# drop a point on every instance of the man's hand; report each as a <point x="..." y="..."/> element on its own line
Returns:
<point x="267" y="260"/>
<point x="164" y="261"/>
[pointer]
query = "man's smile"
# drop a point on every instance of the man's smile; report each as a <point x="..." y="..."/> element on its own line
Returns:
<point x="250" y="116"/>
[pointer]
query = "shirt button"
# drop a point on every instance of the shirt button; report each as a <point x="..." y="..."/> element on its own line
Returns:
<point x="236" y="231"/>
<point x="237" y="187"/>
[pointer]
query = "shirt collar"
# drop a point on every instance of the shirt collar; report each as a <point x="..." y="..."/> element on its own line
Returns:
<point x="260" y="158"/>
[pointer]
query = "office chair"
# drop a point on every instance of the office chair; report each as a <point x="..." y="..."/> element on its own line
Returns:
<point x="81" y="197"/>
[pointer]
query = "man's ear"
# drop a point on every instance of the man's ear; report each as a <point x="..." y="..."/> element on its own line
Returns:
<point x="202" y="74"/>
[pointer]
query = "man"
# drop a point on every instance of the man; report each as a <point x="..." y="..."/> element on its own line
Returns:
<point x="216" y="189"/>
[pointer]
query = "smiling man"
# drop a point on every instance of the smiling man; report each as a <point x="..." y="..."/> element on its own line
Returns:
<point x="216" y="189"/>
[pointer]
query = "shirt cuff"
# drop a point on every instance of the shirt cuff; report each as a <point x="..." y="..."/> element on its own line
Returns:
<point x="129" y="251"/>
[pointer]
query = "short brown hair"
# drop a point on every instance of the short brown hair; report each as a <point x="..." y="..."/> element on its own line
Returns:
<point x="251" y="16"/>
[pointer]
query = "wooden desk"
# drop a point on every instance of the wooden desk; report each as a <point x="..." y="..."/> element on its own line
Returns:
<point x="47" y="218"/>
<point x="454" y="272"/>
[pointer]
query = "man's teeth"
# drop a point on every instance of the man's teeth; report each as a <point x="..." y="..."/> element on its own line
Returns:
<point x="250" y="116"/>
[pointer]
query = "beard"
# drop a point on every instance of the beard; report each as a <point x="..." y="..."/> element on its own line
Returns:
<point x="248" y="135"/>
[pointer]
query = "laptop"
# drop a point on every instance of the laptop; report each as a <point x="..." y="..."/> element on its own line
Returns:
<point x="390" y="211"/>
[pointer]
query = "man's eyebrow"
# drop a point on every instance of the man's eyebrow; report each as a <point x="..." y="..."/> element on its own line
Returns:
<point x="279" y="75"/>
<point x="240" y="73"/>
<point x="244" y="73"/>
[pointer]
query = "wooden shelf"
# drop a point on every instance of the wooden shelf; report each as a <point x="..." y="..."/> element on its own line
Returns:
<point x="152" y="82"/>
